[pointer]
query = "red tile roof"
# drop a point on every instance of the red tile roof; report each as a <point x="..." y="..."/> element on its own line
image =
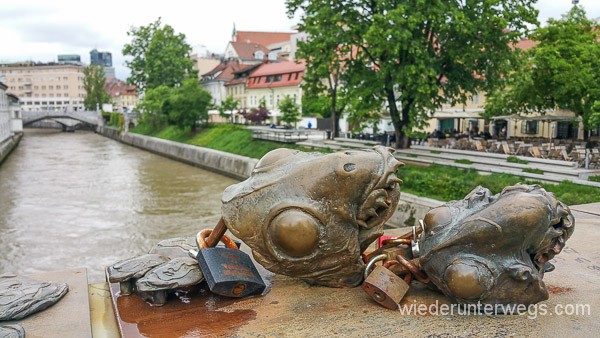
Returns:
<point x="525" y="44"/>
<point x="280" y="74"/>
<point x="246" y="50"/>
<point x="223" y="70"/>
<point x="262" y="38"/>
<point x="116" y="87"/>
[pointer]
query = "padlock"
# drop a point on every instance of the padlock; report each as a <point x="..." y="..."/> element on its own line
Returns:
<point x="228" y="271"/>
<point x="384" y="286"/>
<point x="402" y="250"/>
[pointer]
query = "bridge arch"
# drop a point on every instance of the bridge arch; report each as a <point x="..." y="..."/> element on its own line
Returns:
<point x="86" y="117"/>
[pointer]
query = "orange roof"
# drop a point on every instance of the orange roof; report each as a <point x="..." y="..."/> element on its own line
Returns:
<point x="279" y="68"/>
<point x="262" y="38"/>
<point x="226" y="71"/>
<point x="525" y="44"/>
<point x="280" y="74"/>
<point x="116" y="87"/>
<point x="246" y="50"/>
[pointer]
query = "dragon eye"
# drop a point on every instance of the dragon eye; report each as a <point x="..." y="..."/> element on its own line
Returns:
<point x="295" y="233"/>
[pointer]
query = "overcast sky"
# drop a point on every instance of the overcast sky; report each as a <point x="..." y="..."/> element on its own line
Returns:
<point x="39" y="30"/>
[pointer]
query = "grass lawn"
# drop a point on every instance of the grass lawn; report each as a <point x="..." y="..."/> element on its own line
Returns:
<point x="435" y="181"/>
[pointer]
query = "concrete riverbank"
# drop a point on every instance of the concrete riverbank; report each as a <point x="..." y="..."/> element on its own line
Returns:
<point x="8" y="145"/>
<point x="410" y="209"/>
<point x="231" y="165"/>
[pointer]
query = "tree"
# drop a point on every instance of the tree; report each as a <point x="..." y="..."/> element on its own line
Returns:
<point x="151" y="107"/>
<point x="416" y="55"/>
<point x="187" y="104"/>
<point x="258" y="115"/>
<point x="325" y="71"/>
<point x="94" y="85"/>
<point x="561" y="71"/>
<point x="159" y="56"/>
<point x="289" y="110"/>
<point x="228" y="105"/>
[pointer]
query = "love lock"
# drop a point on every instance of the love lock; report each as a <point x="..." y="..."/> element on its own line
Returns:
<point x="384" y="286"/>
<point x="228" y="271"/>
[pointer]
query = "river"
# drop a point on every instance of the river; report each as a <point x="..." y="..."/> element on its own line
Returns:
<point x="70" y="200"/>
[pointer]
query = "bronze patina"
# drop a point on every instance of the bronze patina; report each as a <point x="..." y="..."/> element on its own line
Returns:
<point x="495" y="249"/>
<point x="311" y="215"/>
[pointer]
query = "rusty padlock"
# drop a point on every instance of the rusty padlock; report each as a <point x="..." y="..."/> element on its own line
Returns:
<point x="384" y="286"/>
<point x="228" y="271"/>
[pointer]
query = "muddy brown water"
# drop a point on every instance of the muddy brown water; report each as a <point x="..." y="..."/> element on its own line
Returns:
<point x="78" y="199"/>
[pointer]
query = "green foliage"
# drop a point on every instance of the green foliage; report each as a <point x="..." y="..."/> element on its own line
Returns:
<point x="187" y="104"/>
<point x="159" y="57"/>
<point x="412" y="155"/>
<point x="435" y="151"/>
<point x="290" y="112"/>
<point x="182" y="106"/>
<point x="151" y="106"/>
<point x="561" y="71"/>
<point x="316" y="105"/>
<point x="533" y="171"/>
<point x="448" y="183"/>
<point x="514" y="159"/>
<point x="95" y="91"/>
<point x="413" y="55"/>
<point x="116" y="119"/>
<point x="228" y="105"/>
<point x="463" y="161"/>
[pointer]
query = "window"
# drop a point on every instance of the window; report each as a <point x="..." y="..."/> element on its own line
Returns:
<point x="529" y="127"/>
<point x="259" y="55"/>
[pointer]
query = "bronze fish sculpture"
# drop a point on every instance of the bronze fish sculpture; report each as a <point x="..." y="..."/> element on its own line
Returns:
<point x="311" y="215"/>
<point x="495" y="249"/>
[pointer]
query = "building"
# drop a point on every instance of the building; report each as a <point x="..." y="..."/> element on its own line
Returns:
<point x="103" y="59"/>
<point x="66" y="58"/>
<point x="236" y="87"/>
<point x="45" y="86"/>
<point x="124" y="96"/>
<point x="247" y="53"/>
<point x="272" y="82"/>
<point x="100" y="58"/>
<point x="10" y="115"/>
<point x="214" y="81"/>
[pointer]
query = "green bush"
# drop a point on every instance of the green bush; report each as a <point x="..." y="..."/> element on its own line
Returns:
<point x="116" y="119"/>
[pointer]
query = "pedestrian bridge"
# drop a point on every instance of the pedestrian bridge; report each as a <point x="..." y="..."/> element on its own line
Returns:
<point x="87" y="117"/>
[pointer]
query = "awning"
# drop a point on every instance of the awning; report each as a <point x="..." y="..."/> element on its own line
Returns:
<point x="458" y="114"/>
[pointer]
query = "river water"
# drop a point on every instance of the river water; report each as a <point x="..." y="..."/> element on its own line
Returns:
<point x="70" y="200"/>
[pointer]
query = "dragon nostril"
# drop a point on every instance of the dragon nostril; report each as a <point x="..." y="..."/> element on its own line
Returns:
<point x="348" y="167"/>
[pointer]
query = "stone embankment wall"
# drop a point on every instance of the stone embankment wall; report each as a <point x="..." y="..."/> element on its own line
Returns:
<point x="8" y="145"/>
<point x="410" y="209"/>
<point x="235" y="166"/>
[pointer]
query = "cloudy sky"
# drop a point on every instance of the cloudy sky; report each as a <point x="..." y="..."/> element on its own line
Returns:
<point x="39" y="30"/>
